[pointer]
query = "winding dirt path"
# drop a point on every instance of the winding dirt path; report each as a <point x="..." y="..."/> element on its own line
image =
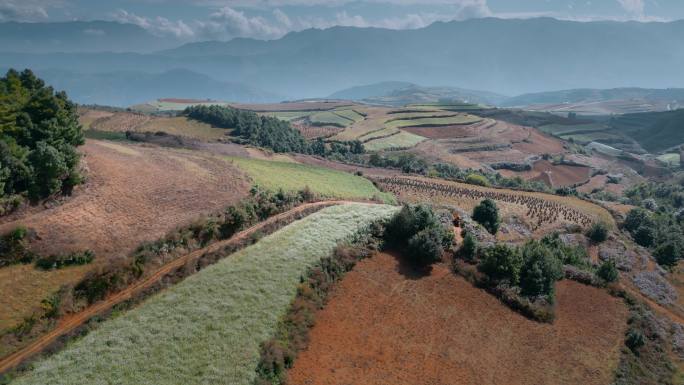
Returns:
<point x="70" y="323"/>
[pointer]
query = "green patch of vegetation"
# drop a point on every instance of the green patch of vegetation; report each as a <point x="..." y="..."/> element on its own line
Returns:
<point x="349" y="114"/>
<point x="330" y="118"/>
<point x="294" y="176"/>
<point x="402" y="140"/>
<point x="487" y="214"/>
<point x="288" y="116"/>
<point x="60" y="261"/>
<point x="14" y="247"/>
<point x="208" y="328"/>
<point x="417" y="230"/>
<point x="39" y="133"/>
<point x="461" y="119"/>
<point x="670" y="159"/>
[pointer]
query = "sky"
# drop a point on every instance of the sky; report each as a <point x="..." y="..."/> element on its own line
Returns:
<point x="195" y="20"/>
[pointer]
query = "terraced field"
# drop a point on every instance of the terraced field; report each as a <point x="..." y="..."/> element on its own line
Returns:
<point x="330" y="118"/>
<point x="454" y="120"/>
<point x="207" y="329"/>
<point x="293" y="177"/>
<point x="400" y="140"/>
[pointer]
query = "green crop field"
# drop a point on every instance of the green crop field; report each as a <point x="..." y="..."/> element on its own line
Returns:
<point x="461" y="119"/>
<point x="562" y="129"/>
<point x="294" y="176"/>
<point x="288" y="116"/>
<point x="207" y="329"/>
<point x="400" y="140"/>
<point x="378" y="134"/>
<point x="349" y="114"/>
<point x="329" y="118"/>
<point x="671" y="159"/>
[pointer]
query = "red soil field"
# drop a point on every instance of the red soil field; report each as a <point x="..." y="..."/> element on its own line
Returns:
<point x="384" y="324"/>
<point x="134" y="193"/>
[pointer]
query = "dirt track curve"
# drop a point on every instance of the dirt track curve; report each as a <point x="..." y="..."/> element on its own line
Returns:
<point x="70" y="323"/>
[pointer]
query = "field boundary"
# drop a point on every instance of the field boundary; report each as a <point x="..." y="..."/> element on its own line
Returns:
<point x="71" y="323"/>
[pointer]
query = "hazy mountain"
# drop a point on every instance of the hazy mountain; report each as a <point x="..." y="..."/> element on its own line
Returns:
<point x="126" y="88"/>
<point x="78" y="36"/>
<point x="589" y="95"/>
<point x="401" y="93"/>
<point x="504" y="56"/>
<point x="369" y="90"/>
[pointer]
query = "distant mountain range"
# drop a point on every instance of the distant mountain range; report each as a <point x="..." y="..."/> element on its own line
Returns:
<point x="402" y="93"/>
<point x="505" y="56"/>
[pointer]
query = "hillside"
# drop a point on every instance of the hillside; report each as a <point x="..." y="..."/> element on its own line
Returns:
<point x="401" y="93"/>
<point x="499" y="55"/>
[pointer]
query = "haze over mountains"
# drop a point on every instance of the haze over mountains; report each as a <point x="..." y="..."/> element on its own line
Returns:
<point x="501" y="56"/>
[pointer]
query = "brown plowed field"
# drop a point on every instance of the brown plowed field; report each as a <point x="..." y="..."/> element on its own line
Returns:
<point x="553" y="175"/>
<point x="386" y="325"/>
<point x="133" y="194"/>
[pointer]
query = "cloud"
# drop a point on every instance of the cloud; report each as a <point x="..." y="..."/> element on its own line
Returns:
<point x="22" y="11"/>
<point x="634" y="7"/>
<point x="158" y="26"/>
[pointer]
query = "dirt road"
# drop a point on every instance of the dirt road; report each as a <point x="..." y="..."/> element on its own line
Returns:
<point x="70" y="323"/>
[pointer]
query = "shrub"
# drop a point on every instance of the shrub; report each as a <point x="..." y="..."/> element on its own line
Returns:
<point x="501" y="262"/>
<point x="477" y="180"/>
<point x="635" y="340"/>
<point x="598" y="232"/>
<point x="13" y="247"/>
<point x="668" y="253"/>
<point x="608" y="272"/>
<point x="468" y="250"/>
<point x="418" y="229"/>
<point x="540" y="271"/>
<point x="487" y="214"/>
<point x="60" y="261"/>
<point x="645" y="235"/>
<point x="426" y="248"/>
<point x="636" y="218"/>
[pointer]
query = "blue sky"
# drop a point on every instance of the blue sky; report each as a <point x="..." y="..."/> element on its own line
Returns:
<point x="268" y="19"/>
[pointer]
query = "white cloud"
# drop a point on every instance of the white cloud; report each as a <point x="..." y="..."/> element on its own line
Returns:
<point x="11" y="10"/>
<point x="634" y="7"/>
<point x="159" y="26"/>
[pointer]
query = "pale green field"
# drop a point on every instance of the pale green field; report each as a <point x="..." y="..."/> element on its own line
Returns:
<point x="294" y="176"/>
<point x="329" y="117"/>
<point x="400" y="140"/>
<point x="207" y="329"/>
<point x="443" y="121"/>
<point x="350" y="114"/>
<point x="288" y="116"/>
<point x="378" y="134"/>
<point x="671" y="159"/>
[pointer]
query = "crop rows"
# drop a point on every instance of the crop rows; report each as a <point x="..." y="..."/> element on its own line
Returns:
<point x="541" y="211"/>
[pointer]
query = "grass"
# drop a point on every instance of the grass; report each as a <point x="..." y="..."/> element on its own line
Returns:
<point x="329" y="118"/>
<point x="207" y="329"/>
<point x="435" y="121"/>
<point x="294" y="176"/>
<point x="288" y="116"/>
<point x="183" y="126"/>
<point x="349" y="114"/>
<point x="23" y="284"/>
<point x="104" y="135"/>
<point x="398" y="141"/>
<point x="670" y="159"/>
<point x="378" y="134"/>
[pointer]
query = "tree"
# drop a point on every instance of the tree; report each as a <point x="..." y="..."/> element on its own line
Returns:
<point x="487" y="214"/>
<point x="469" y="247"/>
<point x="418" y="229"/>
<point x="425" y="248"/>
<point x="598" y="232"/>
<point x="668" y="253"/>
<point x="645" y="235"/>
<point x="608" y="272"/>
<point x="636" y="218"/>
<point x="502" y="262"/>
<point x="540" y="270"/>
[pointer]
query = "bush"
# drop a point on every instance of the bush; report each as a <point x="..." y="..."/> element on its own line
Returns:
<point x="636" y="218"/>
<point x="598" y="232"/>
<point x="13" y="247"/>
<point x="468" y="250"/>
<point x="645" y="235"/>
<point x="608" y="272"/>
<point x="540" y="271"/>
<point x="668" y="253"/>
<point x="60" y="261"/>
<point x="477" y="180"/>
<point x="502" y="262"/>
<point x="635" y="340"/>
<point x="487" y="214"/>
<point x="418" y="229"/>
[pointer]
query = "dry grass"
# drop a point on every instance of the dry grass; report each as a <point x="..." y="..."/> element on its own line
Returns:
<point x="22" y="285"/>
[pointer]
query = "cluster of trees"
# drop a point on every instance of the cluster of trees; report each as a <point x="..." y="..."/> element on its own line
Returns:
<point x="39" y="133"/>
<point x="534" y="267"/>
<point x="262" y="131"/>
<point x="418" y="230"/>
